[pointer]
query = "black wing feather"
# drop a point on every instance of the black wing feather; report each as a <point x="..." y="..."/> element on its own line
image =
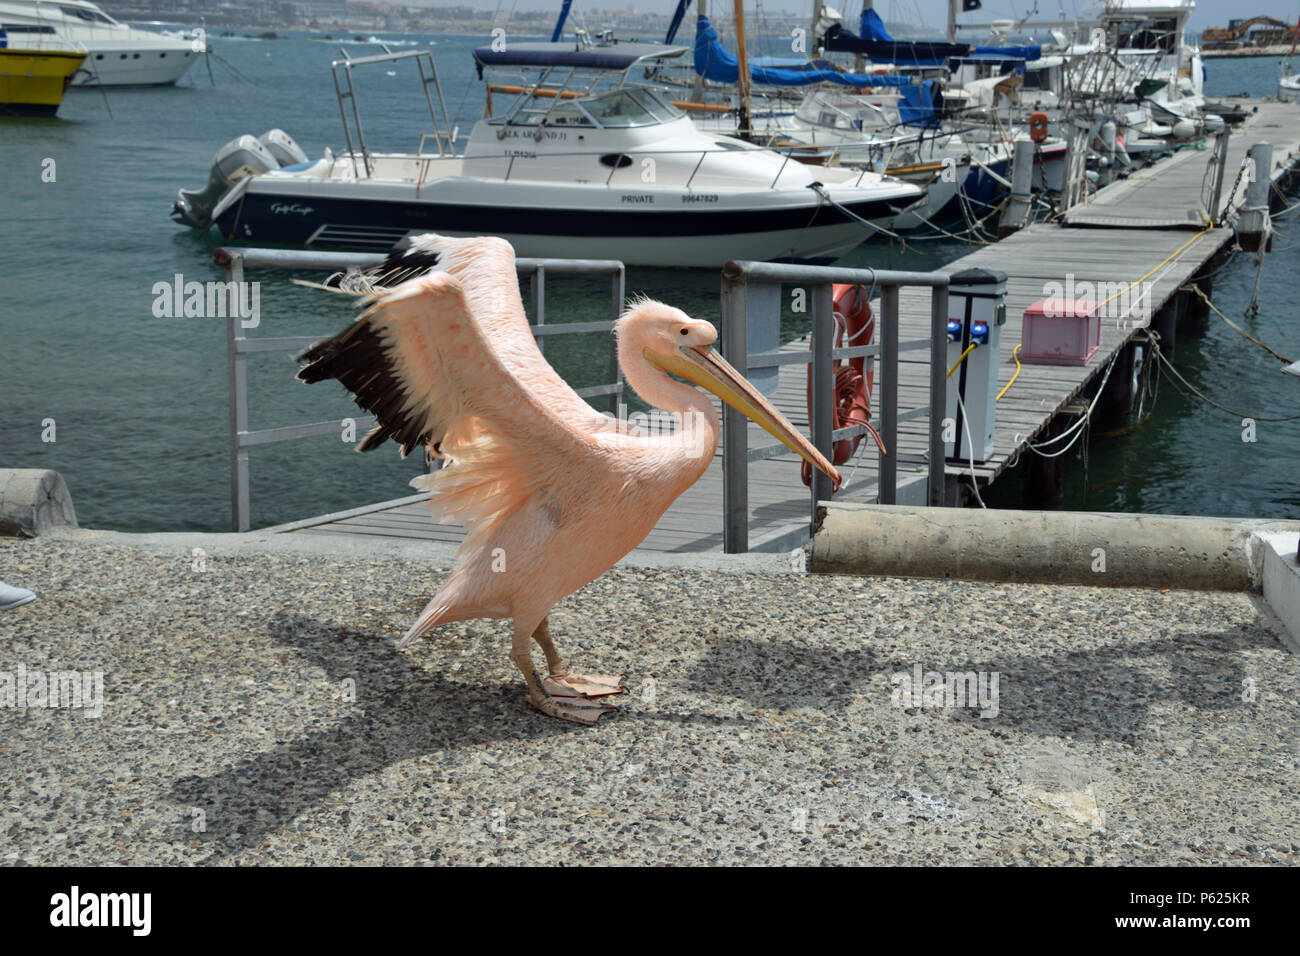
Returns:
<point x="357" y="358"/>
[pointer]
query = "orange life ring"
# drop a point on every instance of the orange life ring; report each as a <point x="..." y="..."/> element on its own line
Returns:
<point x="852" y="402"/>
<point x="1038" y="127"/>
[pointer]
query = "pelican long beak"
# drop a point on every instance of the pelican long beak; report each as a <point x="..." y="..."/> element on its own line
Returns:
<point x="706" y="368"/>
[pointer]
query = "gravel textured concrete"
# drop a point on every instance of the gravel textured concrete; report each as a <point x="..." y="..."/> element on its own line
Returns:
<point x="257" y="711"/>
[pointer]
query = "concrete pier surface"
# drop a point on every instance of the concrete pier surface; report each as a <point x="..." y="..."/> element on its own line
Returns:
<point x="256" y="711"/>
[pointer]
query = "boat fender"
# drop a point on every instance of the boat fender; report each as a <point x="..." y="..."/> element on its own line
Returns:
<point x="1108" y="133"/>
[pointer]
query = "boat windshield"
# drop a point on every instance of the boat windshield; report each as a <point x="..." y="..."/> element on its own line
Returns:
<point x="631" y="106"/>
<point x="88" y="14"/>
<point x="624" y="107"/>
<point x="1159" y="35"/>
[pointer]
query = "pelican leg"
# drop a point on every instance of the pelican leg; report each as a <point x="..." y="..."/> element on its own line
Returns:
<point x="572" y="707"/>
<point x="559" y="683"/>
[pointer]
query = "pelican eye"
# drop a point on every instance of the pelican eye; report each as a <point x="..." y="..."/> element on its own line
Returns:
<point x="684" y="330"/>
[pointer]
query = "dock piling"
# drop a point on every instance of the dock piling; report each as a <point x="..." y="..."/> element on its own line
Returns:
<point x="1045" y="480"/>
<point x="1016" y="213"/>
<point x="1253" y="228"/>
<point x="1116" y="402"/>
<point x="1165" y="324"/>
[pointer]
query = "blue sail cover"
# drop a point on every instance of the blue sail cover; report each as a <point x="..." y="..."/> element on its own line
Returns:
<point x="712" y="60"/>
<point x="715" y="62"/>
<point x="877" y="45"/>
<point x="873" y="28"/>
<point x="1009" y="52"/>
<point x="1006" y="59"/>
<point x="916" y="105"/>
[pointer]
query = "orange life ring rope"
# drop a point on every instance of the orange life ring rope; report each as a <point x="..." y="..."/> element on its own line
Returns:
<point x="1038" y="127"/>
<point x="853" y="384"/>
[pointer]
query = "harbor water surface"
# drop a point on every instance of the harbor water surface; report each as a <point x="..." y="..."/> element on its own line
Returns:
<point x="131" y="406"/>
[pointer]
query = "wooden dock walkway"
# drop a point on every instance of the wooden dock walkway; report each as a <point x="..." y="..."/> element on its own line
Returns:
<point x="1176" y="192"/>
<point x="1149" y="227"/>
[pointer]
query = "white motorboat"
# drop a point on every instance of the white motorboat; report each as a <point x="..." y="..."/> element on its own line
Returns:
<point x="117" y="54"/>
<point x="582" y="164"/>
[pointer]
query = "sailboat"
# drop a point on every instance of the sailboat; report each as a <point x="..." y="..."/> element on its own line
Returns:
<point x="892" y="119"/>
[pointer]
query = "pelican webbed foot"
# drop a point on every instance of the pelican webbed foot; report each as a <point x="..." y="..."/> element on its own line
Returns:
<point x="578" y="710"/>
<point x="560" y="694"/>
<point x="583" y="685"/>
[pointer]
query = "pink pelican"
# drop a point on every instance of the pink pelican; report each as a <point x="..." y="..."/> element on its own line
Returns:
<point x="552" y="493"/>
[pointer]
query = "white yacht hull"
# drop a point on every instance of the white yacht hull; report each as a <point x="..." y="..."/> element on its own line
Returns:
<point x="643" y="227"/>
<point x="124" y="66"/>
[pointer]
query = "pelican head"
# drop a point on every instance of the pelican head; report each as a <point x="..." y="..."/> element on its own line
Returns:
<point x="671" y="341"/>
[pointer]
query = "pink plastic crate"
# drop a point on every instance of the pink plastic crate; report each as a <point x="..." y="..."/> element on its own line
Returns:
<point x="1060" y="332"/>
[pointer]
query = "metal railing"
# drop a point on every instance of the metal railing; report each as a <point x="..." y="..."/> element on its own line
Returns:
<point x="345" y="90"/>
<point x="739" y="281"/>
<point x="239" y="346"/>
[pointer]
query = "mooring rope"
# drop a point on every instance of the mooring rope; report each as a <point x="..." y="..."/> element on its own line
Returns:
<point x="1205" y="398"/>
<point x="1237" y="328"/>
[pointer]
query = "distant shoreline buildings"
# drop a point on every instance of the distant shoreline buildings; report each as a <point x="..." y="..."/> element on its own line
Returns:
<point x="346" y="15"/>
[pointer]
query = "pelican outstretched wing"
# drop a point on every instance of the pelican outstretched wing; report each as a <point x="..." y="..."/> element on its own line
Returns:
<point x="443" y="321"/>
<point x="446" y="359"/>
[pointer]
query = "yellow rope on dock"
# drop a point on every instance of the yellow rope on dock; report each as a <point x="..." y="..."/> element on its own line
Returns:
<point x="1171" y="257"/>
<point x="1015" y="354"/>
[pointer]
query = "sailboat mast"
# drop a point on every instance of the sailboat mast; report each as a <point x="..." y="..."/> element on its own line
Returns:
<point x="952" y="20"/>
<point x="697" y="93"/>
<point x="860" y="61"/>
<point x="558" y="33"/>
<point x="742" y="75"/>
